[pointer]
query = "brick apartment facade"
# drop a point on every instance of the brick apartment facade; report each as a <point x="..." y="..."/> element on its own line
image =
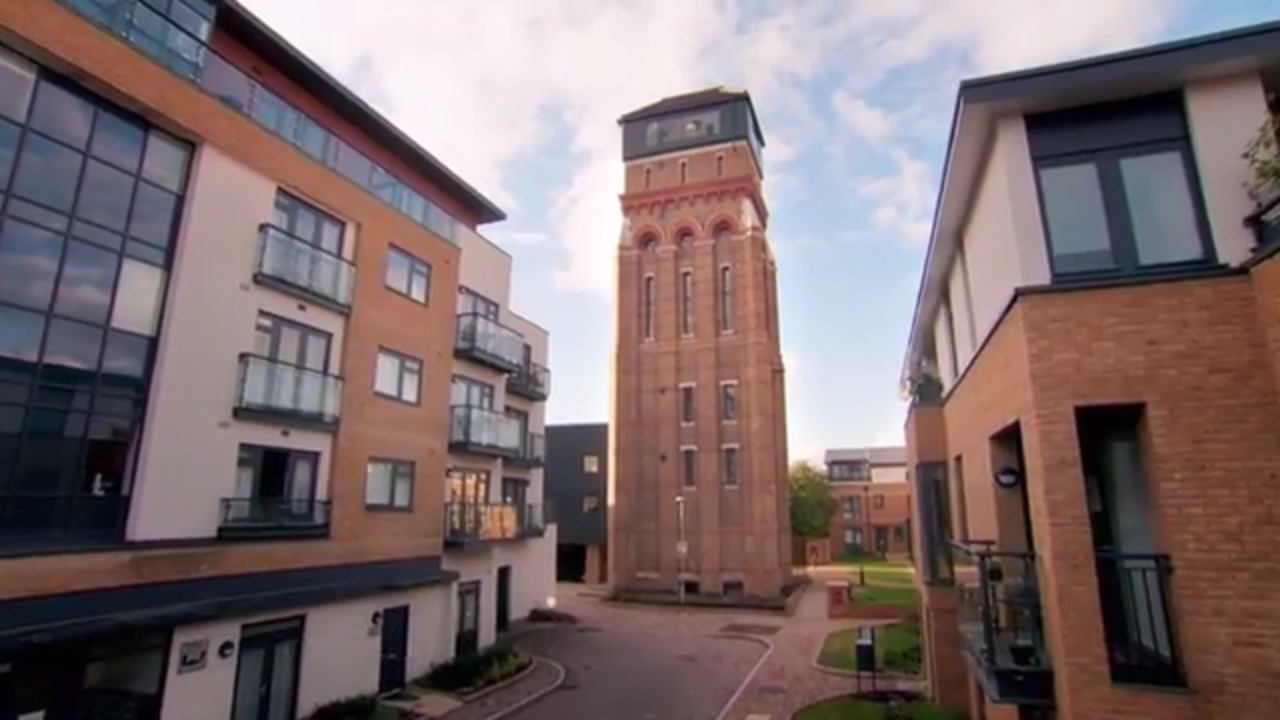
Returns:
<point x="873" y="501"/>
<point x="228" y="290"/>
<point x="699" y="406"/>
<point x="1093" y="378"/>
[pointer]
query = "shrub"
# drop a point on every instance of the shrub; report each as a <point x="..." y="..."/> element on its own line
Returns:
<point x="474" y="671"/>
<point x="547" y="615"/>
<point x="362" y="707"/>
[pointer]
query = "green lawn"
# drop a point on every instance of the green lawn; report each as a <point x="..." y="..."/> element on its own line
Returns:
<point x="879" y="571"/>
<point x="886" y="595"/>
<point x="897" y="648"/>
<point x="851" y="709"/>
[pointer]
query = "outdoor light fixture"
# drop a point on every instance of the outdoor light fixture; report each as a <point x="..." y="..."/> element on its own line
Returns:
<point x="226" y="649"/>
<point x="1008" y="477"/>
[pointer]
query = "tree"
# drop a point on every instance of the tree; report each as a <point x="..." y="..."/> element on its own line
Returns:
<point x="811" y="504"/>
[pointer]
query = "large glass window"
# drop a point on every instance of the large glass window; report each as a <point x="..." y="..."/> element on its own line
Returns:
<point x="89" y="203"/>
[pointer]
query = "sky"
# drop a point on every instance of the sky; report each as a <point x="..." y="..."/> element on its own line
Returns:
<point x="521" y="98"/>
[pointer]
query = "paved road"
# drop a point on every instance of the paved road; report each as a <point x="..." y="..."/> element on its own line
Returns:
<point x="628" y="663"/>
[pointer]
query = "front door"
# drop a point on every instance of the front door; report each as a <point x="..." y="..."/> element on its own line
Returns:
<point x="882" y="540"/>
<point x="503" y="597"/>
<point x="467" y="640"/>
<point x="395" y="647"/>
<point x="267" y="671"/>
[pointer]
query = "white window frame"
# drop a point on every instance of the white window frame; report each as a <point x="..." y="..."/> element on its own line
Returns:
<point x="724" y="297"/>
<point x="724" y="466"/>
<point x="649" y="307"/>
<point x="736" y="401"/>
<point x="693" y="388"/>
<point x="689" y="449"/>
<point x="402" y="360"/>
<point x="687" y="314"/>
<point x="390" y="502"/>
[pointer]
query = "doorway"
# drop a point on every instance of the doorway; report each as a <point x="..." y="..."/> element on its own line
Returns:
<point x="267" y="671"/>
<point x="467" y="639"/>
<point x="882" y="540"/>
<point x="503" y="597"/>
<point x="395" y="649"/>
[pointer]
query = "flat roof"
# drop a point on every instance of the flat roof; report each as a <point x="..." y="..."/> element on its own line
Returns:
<point x="259" y="37"/>
<point x="980" y="101"/>
<point x="893" y="455"/>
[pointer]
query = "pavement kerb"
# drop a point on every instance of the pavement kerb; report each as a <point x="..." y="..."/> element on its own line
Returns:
<point x="742" y="687"/>
<point x="560" y="677"/>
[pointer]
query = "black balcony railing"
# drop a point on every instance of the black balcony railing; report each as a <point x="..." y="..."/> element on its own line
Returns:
<point x="58" y="519"/>
<point x="300" y="268"/>
<point x="470" y="523"/>
<point x="533" y="452"/>
<point x="488" y="341"/>
<point x="532" y="382"/>
<point x="998" y="610"/>
<point x="257" y="517"/>
<point x="482" y="431"/>
<point x="1142" y="647"/>
<point x="276" y="391"/>
<point x="1265" y="223"/>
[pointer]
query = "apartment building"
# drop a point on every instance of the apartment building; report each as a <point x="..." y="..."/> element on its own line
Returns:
<point x="698" y="494"/>
<point x="496" y="533"/>
<point x="577" y="465"/>
<point x="228" y="304"/>
<point x="872" y="501"/>
<point x="1093" y="368"/>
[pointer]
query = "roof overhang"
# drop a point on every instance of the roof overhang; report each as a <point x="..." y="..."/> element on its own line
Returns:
<point x="980" y="102"/>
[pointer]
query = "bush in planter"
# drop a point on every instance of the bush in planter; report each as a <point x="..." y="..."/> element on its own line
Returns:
<point x="362" y="707"/>
<point x="474" y="671"/>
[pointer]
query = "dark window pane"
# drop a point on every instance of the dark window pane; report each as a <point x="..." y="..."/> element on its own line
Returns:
<point x="62" y="397"/>
<point x="62" y="115"/>
<point x="204" y="7"/>
<point x="166" y="161"/>
<point x="49" y="461"/>
<point x="72" y="345"/>
<point x="28" y="264"/>
<point x="225" y="82"/>
<point x="117" y="141"/>
<point x="96" y="235"/>
<point x="17" y="76"/>
<point x="273" y="114"/>
<point x="84" y="289"/>
<point x="20" y="334"/>
<point x="8" y="144"/>
<point x="37" y="215"/>
<point x="1161" y="209"/>
<point x="1076" y="218"/>
<point x="104" y="196"/>
<point x="189" y="20"/>
<point x="125" y="356"/>
<point x="47" y="173"/>
<point x="118" y="406"/>
<point x="145" y="253"/>
<point x="154" y="211"/>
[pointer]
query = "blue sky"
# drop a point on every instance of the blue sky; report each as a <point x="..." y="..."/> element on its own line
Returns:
<point x="855" y="98"/>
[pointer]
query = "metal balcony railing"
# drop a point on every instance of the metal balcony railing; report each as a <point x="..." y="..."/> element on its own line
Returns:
<point x="264" y="517"/>
<point x="1265" y="223"/>
<point x="533" y="451"/>
<point x="532" y="382"/>
<point x="488" y="341"/>
<point x="292" y="265"/>
<point x="273" y="389"/>
<point x="473" y="522"/>
<point x="1142" y="647"/>
<point x="484" y="432"/>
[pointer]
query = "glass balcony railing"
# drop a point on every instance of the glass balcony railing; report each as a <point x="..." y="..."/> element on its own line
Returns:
<point x="533" y="451"/>
<point x="483" y="431"/>
<point x="278" y="390"/>
<point x="488" y="341"/>
<point x="532" y="382"/>
<point x="298" y="267"/>
<point x="273" y="517"/>
<point x="485" y="522"/>
<point x="185" y="53"/>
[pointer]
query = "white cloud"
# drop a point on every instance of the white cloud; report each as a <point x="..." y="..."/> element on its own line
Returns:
<point x="902" y="199"/>
<point x="867" y="121"/>
<point x="507" y="238"/>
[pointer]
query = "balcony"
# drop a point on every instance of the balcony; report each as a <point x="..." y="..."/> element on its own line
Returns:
<point x="476" y="523"/>
<point x="488" y="342"/>
<point x="480" y="431"/>
<point x="998" y="609"/>
<point x="1142" y="648"/>
<point x="60" y="520"/>
<point x="533" y="452"/>
<point x="258" y="518"/>
<point x="532" y="382"/>
<point x="308" y="272"/>
<point x="279" y="393"/>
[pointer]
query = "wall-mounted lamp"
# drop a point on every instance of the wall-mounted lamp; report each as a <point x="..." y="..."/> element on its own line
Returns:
<point x="375" y="623"/>
<point x="226" y="649"/>
<point x="1008" y="477"/>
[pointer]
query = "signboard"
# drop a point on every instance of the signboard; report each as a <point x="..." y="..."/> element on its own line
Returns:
<point x="193" y="655"/>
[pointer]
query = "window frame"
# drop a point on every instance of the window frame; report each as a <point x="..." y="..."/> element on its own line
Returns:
<point x="725" y="297"/>
<point x="591" y="464"/>
<point x="487" y="392"/>
<point x="402" y="359"/>
<point x="686" y="302"/>
<point x="416" y="264"/>
<point x="726" y="399"/>
<point x="647" y="300"/>
<point x="396" y="466"/>
<point x="688" y="467"/>
<point x="877" y="502"/>
<point x="474" y="303"/>
<point x="687" y="397"/>
<point x="731" y="459"/>
<point x="1117" y="214"/>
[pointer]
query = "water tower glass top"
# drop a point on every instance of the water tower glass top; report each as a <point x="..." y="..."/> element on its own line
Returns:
<point x="706" y="117"/>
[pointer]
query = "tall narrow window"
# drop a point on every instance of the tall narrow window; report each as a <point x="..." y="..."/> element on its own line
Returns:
<point x="729" y="464"/>
<point x="648" y="178"/>
<point x="689" y="467"/>
<point x="719" y="166"/>
<point x="687" y="408"/>
<point x="686" y="303"/>
<point x="726" y="298"/>
<point x="729" y="400"/>
<point x="648" y="307"/>
<point x="684" y="171"/>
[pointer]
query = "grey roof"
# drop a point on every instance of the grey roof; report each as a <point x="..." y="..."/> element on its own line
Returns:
<point x="878" y="456"/>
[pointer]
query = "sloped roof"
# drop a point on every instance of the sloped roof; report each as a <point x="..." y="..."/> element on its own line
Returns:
<point x="687" y="101"/>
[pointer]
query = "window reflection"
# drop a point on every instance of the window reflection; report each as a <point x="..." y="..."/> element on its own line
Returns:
<point x="84" y="288"/>
<point x="17" y="77"/>
<point x="28" y="264"/>
<point x="105" y="196"/>
<point x="72" y="345"/>
<point x="48" y="173"/>
<point x="8" y="147"/>
<point x="117" y="141"/>
<point x="20" y="335"/>
<point x="61" y="115"/>
<point x="154" y="211"/>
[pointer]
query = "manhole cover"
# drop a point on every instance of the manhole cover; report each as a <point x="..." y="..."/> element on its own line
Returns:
<point x="773" y="690"/>
<point x="749" y="629"/>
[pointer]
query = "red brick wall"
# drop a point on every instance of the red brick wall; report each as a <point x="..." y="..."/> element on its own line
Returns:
<point x="896" y="513"/>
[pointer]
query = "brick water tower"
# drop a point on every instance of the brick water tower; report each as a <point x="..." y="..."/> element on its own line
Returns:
<point x="698" y="489"/>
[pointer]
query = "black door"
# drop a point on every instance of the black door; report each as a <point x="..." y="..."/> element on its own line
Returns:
<point x="504" y="598"/>
<point x="395" y="647"/>
<point x="467" y="640"/>
<point x="267" y="671"/>
<point x="882" y="540"/>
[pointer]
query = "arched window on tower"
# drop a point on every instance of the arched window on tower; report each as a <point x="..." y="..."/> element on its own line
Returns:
<point x="648" y="243"/>
<point x="648" y="178"/>
<point x="720" y="166"/>
<point x="685" y="238"/>
<point x="684" y="171"/>
<point x="722" y="232"/>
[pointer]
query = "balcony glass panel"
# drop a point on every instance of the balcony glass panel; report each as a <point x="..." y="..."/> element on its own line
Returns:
<point x="532" y="381"/>
<point x="490" y="337"/>
<point x="485" y="428"/>
<point x="272" y="386"/>
<point x="305" y="266"/>
<point x="478" y="522"/>
<point x="256" y="512"/>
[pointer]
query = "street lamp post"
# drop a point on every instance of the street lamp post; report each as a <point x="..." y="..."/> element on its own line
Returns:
<point x="682" y="548"/>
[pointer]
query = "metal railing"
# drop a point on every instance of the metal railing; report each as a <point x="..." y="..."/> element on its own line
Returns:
<point x="479" y="522"/>
<point x="272" y="386"/>
<point x="299" y="264"/>
<point x="1142" y="647"/>
<point x="1265" y="223"/>
<point x="532" y="381"/>
<point x="58" y="516"/>
<point x="533" y="451"/>
<point x="999" y="608"/>
<point x="483" y="338"/>
<point x="476" y="427"/>
<point x="273" y="512"/>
